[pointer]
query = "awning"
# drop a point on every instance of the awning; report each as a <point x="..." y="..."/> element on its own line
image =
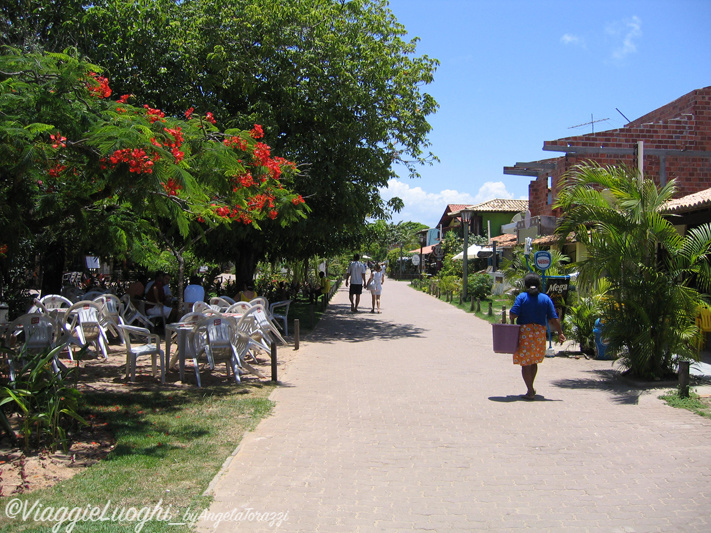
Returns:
<point x="475" y="251"/>
<point x="425" y="250"/>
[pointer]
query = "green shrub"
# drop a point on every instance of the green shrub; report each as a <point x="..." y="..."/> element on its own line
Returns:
<point x="479" y="285"/>
<point x="47" y="404"/>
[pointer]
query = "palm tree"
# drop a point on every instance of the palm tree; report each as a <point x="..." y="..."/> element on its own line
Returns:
<point x="655" y="274"/>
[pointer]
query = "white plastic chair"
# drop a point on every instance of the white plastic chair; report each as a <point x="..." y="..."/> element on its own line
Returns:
<point x="149" y="344"/>
<point x="267" y="326"/>
<point x="93" y="294"/>
<point x="228" y="299"/>
<point x="131" y="314"/>
<point x="40" y="334"/>
<point x="219" y="303"/>
<point x="251" y="325"/>
<point x="218" y="334"/>
<point x="283" y="315"/>
<point x="239" y="307"/>
<point x="110" y="314"/>
<point x="260" y="300"/>
<point x="84" y="318"/>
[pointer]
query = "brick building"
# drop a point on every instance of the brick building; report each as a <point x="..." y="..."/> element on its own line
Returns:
<point x="676" y="145"/>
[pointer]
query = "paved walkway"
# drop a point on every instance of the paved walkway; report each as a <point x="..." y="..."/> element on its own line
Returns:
<point x="407" y="421"/>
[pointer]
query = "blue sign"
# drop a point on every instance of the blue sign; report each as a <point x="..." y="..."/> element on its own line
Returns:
<point x="542" y="260"/>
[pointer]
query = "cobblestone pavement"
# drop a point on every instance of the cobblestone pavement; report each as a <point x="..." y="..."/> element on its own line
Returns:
<point x="407" y="421"/>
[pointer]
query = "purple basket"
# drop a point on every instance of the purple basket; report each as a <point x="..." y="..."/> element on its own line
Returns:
<point x="505" y="337"/>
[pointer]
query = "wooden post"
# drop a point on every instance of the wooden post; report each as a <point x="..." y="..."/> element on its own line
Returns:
<point x="478" y="305"/>
<point x="274" y="361"/>
<point x="683" y="379"/>
<point x="491" y="309"/>
<point x="503" y="314"/>
<point x="461" y="296"/>
<point x="471" y="304"/>
<point x="297" y="333"/>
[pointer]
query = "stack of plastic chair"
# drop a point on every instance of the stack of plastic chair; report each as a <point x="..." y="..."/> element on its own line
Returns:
<point x="131" y="315"/>
<point x="84" y="319"/>
<point x="218" y="334"/>
<point x="111" y="308"/>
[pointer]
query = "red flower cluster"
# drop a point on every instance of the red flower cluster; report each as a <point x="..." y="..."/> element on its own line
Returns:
<point x="298" y="200"/>
<point x="177" y="134"/>
<point x="154" y="114"/>
<point x="3" y="249"/>
<point x="137" y="160"/>
<point x="102" y="90"/>
<point x="189" y="113"/>
<point x="58" y="140"/>
<point x="235" y="142"/>
<point x="172" y="187"/>
<point x="258" y="201"/>
<point x="262" y="154"/>
<point x="257" y="132"/>
<point x="243" y="180"/>
<point x="56" y="170"/>
<point x="124" y="98"/>
<point x="210" y="118"/>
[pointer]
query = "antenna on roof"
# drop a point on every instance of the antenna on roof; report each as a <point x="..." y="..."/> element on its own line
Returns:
<point x="621" y="113"/>
<point x="591" y="123"/>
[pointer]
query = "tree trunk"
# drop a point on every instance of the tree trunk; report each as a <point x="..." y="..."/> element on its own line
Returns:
<point x="53" y="267"/>
<point x="245" y="265"/>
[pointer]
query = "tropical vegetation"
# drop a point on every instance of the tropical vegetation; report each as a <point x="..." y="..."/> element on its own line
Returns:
<point x="655" y="275"/>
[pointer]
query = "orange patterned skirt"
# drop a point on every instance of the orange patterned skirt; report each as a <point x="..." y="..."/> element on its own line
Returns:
<point x="531" y="345"/>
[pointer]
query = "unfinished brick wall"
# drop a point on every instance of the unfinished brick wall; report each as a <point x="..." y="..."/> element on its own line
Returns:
<point x="684" y="124"/>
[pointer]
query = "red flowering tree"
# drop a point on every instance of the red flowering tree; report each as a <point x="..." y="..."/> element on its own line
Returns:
<point x="76" y="160"/>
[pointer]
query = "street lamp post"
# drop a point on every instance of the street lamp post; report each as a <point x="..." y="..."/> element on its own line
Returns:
<point x="422" y="235"/>
<point x="466" y="216"/>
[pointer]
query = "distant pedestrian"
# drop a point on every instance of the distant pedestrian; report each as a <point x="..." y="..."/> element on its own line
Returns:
<point x="375" y="286"/>
<point x="356" y="275"/>
<point x="531" y="310"/>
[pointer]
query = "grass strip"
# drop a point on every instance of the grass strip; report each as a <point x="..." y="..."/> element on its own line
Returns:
<point x="694" y="403"/>
<point x="170" y="445"/>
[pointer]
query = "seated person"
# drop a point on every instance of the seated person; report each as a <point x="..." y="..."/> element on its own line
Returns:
<point x="166" y="289"/>
<point x="136" y="290"/>
<point x="156" y="297"/>
<point x="194" y="292"/>
<point x="247" y="295"/>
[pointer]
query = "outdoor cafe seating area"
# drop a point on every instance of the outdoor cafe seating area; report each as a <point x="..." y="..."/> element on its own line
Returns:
<point x="208" y="335"/>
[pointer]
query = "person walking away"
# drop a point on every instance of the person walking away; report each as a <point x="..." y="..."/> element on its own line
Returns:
<point x="531" y="310"/>
<point x="375" y="285"/>
<point x="356" y="275"/>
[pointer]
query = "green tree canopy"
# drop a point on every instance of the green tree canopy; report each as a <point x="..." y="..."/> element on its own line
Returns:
<point x="335" y="84"/>
<point x="76" y="162"/>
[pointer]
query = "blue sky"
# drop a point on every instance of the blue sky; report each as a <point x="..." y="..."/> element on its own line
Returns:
<point x="515" y="73"/>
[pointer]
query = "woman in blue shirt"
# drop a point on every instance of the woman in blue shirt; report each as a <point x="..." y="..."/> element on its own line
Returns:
<point x="531" y="310"/>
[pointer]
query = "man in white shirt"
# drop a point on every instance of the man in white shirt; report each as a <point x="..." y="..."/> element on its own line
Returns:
<point x="356" y="274"/>
<point x="194" y="292"/>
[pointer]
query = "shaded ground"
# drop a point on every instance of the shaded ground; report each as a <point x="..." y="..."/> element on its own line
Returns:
<point x="22" y="472"/>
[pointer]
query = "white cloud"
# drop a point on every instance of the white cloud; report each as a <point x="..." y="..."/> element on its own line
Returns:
<point x="625" y="32"/>
<point x="427" y="207"/>
<point x="571" y="39"/>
